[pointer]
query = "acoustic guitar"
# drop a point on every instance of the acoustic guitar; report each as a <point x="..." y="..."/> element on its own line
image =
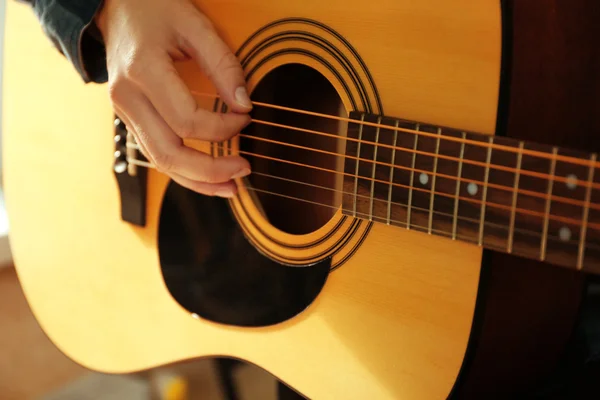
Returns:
<point x="421" y="220"/>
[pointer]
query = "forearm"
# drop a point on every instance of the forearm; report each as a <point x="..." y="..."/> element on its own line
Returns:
<point x="69" y="25"/>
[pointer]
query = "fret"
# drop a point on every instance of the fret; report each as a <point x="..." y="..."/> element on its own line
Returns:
<point x="586" y="209"/>
<point x="470" y="194"/>
<point x="485" y="190"/>
<point x="446" y="168"/>
<point x="433" y="179"/>
<point x="383" y="189"/>
<point x="412" y="177"/>
<point x="395" y="143"/>
<point x="403" y="177"/>
<point x="548" y="203"/>
<point x="349" y="188"/>
<point x="499" y="196"/>
<point x="361" y="128"/>
<point x="511" y="232"/>
<point x="374" y="168"/>
<point x="531" y="196"/>
<point x="423" y="180"/>
<point x="591" y="259"/>
<point x="458" y="182"/>
<point x="568" y="201"/>
<point x="358" y="198"/>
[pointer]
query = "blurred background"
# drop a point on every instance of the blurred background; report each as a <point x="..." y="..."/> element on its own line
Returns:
<point x="32" y="368"/>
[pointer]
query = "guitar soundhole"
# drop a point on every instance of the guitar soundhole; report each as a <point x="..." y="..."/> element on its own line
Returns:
<point x="302" y="192"/>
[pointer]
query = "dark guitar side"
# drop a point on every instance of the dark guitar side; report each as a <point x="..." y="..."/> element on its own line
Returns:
<point x="527" y="312"/>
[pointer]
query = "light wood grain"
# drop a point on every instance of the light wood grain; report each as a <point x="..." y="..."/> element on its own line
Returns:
<point x="30" y="364"/>
<point x="393" y="322"/>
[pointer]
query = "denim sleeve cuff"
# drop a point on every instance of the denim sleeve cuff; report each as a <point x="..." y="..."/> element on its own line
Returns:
<point x="70" y="26"/>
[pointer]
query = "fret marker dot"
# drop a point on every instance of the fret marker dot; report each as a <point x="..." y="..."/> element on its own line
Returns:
<point x="472" y="188"/>
<point x="564" y="234"/>
<point x="572" y="182"/>
<point x="424" y="178"/>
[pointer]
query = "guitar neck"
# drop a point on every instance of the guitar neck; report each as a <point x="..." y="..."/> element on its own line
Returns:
<point x="523" y="198"/>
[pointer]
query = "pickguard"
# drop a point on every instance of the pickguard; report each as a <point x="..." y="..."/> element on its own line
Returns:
<point x="212" y="270"/>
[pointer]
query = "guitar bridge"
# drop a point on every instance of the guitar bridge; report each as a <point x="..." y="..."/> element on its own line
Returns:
<point x="131" y="177"/>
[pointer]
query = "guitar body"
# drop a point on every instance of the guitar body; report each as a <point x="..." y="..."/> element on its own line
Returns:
<point x="334" y="306"/>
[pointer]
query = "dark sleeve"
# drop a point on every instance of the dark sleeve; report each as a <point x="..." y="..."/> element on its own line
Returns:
<point x="69" y="24"/>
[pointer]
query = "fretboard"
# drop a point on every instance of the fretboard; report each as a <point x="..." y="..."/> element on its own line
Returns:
<point x="523" y="198"/>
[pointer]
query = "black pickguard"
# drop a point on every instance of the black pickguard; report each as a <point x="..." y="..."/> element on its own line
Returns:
<point x="213" y="271"/>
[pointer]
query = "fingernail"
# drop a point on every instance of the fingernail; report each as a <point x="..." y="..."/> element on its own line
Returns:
<point x="226" y="193"/>
<point x="241" y="174"/>
<point x="241" y="96"/>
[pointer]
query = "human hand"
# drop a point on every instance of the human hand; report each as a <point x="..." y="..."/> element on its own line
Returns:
<point x="143" y="38"/>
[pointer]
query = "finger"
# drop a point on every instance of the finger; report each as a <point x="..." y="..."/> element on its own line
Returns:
<point x="225" y="190"/>
<point x="168" y="152"/>
<point x="172" y="99"/>
<point x="199" y="39"/>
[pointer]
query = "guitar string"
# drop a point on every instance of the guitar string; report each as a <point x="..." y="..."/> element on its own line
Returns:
<point x="535" y="234"/>
<point x="541" y="195"/>
<point x="539" y="154"/>
<point x="566" y="220"/>
<point x="523" y="171"/>
<point x="544" y="196"/>
<point x="494" y="205"/>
